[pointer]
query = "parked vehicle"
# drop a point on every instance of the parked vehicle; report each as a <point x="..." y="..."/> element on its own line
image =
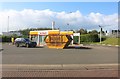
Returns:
<point x="24" y="42"/>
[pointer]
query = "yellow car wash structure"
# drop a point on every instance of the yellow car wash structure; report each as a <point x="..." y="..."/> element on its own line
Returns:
<point x="52" y="38"/>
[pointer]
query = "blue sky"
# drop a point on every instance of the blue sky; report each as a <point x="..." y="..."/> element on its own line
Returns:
<point x="86" y="15"/>
<point x="84" y="7"/>
<point x="59" y="0"/>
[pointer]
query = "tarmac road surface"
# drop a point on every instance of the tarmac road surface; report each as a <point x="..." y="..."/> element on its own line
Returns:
<point x="86" y="61"/>
<point x="81" y="55"/>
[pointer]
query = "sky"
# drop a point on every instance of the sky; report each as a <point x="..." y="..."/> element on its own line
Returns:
<point x="78" y="15"/>
<point x="59" y="0"/>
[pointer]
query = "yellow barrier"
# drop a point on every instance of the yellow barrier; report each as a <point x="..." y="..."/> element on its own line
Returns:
<point x="58" y="41"/>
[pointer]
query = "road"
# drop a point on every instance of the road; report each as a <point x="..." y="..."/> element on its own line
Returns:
<point x="81" y="55"/>
<point x="86" y="61"/>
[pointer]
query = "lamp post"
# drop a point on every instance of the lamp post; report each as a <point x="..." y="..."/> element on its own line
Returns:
<point x="8" y="25"/>
<point x="100" y="33"/>
<point x="67" y="27"/>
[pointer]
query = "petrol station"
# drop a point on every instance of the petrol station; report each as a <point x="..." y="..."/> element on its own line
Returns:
<point x="53" y="38"/>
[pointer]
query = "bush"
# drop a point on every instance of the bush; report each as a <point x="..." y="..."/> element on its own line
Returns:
<point x="8" y="38"/>
<point x="89" y="38"/>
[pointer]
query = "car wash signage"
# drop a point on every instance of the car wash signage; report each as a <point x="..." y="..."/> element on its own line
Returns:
<point x="43" y="32"/>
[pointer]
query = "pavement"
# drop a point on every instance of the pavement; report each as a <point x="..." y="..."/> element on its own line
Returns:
<point x="1" y="47"/>
<point x="105" y="45"/>
<point x="101" y="71"/>
<point x="103" y="74"/>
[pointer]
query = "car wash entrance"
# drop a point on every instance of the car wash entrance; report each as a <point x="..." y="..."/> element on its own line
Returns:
<point x="76" y="38"/>
<point x="39" y="37"/>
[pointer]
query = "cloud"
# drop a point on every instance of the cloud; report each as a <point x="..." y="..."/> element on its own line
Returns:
<point x="29" y="18"/>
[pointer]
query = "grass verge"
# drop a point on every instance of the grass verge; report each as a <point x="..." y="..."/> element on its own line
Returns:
<point x="112" y="41"/>
<point x="108" y="41"/>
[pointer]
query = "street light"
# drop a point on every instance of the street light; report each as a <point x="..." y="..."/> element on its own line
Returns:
<point x="8" y="25"/>
<point x="100" y="33"/>
<point x="67" y="27"/>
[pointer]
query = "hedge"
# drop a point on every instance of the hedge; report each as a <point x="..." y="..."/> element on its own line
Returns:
<point x="7" y="38"/>
<point x="89" y="38"/>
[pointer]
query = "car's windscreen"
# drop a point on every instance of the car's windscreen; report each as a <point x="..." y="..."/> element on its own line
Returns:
<point x="27" y="40"/>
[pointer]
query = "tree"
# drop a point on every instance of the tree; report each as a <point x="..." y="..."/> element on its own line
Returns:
<point x="25" y="32"/>
<point x="93" y="32"/>
<point x="82" y="31"/>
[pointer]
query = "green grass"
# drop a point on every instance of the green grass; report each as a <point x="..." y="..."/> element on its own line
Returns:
<point x="108" y="41"/>
<point x="112" y="41"/>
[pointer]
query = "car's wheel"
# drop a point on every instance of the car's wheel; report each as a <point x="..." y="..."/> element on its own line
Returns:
<point x="17" y="45"/>
<point x="34" y="46"/>
<point x="27" y="45"/>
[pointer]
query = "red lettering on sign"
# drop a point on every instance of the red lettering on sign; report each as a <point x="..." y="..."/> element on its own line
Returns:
<point x="43" y="33"/>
